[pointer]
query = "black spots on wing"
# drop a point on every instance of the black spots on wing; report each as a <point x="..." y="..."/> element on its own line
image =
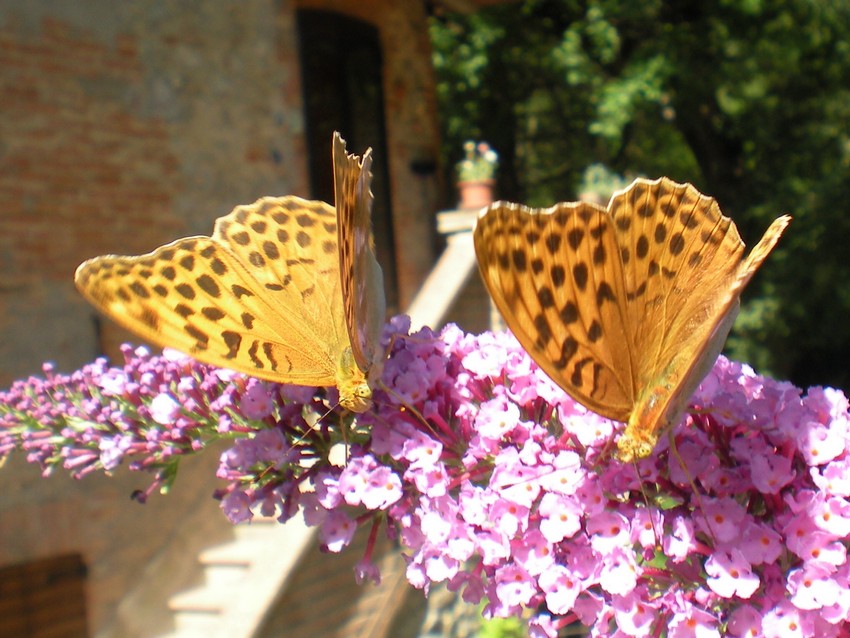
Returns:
<point x="270" y="250"/>
<point x="187" y="262"/>
<point x="183" y="310"/>
<point x="209" y="286"/>
<point x="605" y="294"/>
<point x="642" y="247"/>
<point x="201" y="338"/>
<point x="140" y="290"/>
<point x="240" y="291"/>
<point x="594" y="332"/>
<point x="303" y="239"/>
<point x="599" y="254"/>
<point x="688" y="220"/>
<point x="242" y="238"/>
<point x="185" y="290"/>
<point x="212" y="313"/>
<point x="519" y="260"/>
<point x="545" y="297"/>
<point x="305" y="221"/>
<point x="623" y="223"/>
<point x="149" y="318"/>
<point x="247" y="320"/>
<point x="668" y="209"/>
<point x="252" y="354"/>
<point x="233" y="341"/>
<point x="218" y="266"/>
<point x="268" y="350"/>
<point x="168" y="272"/>
<point x="574" y="238"/>
<point x="256" y="259"/>
<point x="537" y="265"/>
<point x="569" y="313"/>
<point x="677" y="244"/>
<point x="558" y="275"/>
<point x="569" y="347"/>
<point x="580" y="275"/>
<point x="544" y="332"/>
<point x="695" y="259"/>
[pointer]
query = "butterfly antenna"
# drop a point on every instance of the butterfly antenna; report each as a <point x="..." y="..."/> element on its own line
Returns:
<point x="406" y="406"/>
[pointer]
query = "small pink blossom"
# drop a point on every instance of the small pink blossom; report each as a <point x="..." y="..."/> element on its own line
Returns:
<point x="164" y="409"/>
<point x="729" y="574"/>
<point x="560" y="587"/>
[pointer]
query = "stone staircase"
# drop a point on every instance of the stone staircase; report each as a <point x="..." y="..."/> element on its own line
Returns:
<point x="242" y="578"/>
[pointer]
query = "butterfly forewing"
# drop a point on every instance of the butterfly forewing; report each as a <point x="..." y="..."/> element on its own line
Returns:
<point x="556" y="278"/>
<point x="362" y="279"/>
<point x="244" y="299"/>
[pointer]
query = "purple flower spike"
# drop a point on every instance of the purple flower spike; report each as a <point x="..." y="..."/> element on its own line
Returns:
<point x="498" y="484"/>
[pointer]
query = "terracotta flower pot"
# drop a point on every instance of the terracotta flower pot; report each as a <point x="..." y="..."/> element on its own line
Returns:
<point x="476" y="193"/>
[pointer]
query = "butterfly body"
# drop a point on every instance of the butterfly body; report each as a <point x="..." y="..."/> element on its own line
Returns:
<point x="626" y="308"/>
<point x="268" y="294"/>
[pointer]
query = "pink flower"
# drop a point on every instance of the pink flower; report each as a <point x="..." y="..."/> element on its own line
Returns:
<point x="560" y="587"/>
<point x="533" y="552"/>
<point x="729" y="574"/>
<point x="514" y="586"/>
<point x="723" y="518"/>
<point x="693" y="622"/>
<point x="336" y="531"/>
<point x="608" y="531"/>
<point x="257" y="401"/>
<point x="164" y="409"/>
<point x="680" y="542"/>
<point x="785" y="621"/>
<point x="560" y="517"/>
<point x="364" y="481"/>
<point x="634" y="615"/>
<point x="745" y="622"/>
<point x="812" y="586"/>
<point x="618" y="575"/>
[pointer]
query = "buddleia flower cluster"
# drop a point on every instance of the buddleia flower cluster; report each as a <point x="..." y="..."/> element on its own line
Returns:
<point x="497" y="484"/>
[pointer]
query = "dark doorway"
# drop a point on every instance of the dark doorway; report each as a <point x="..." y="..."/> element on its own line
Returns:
<point x="44" y="598"/>
<point x="342" y="74"/>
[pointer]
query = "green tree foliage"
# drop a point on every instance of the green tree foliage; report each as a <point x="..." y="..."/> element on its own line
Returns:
<point x="749" y="100"/>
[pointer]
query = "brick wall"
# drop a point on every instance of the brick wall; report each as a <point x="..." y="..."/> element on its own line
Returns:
<point x="123" y="126"/>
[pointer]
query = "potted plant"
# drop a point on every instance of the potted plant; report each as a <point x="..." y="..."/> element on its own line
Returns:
<point x="476" y="175"/>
